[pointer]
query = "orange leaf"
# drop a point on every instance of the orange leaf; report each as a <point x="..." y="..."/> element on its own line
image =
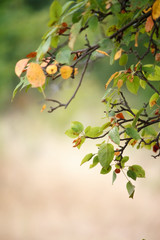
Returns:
<point x="43" y="108"/>
<point x="102" y="52"/>
<point x="120" y="115"/>
<point x="156" y="9"/>
<point x="136" y="39"/>
<point x="51" y="69"/>
<point x="157" y="57"/>
<point x="32" y="55"/>
<point x="118" y="54"/>
<point x="110" y="79"/>
<point x="35" y="75"/>
<point x="120" y="83"/>
<point x="20" y="65"/>
<point x="66" y="71"/>
<point x="149" y="24"/>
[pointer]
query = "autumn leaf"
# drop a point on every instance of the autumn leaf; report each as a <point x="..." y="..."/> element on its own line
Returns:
<point x="66" y="71"/>
<point x="120" y="83"/>
<point x="31" y="55"/>
<point x="20" y="65"/>
<point x="149" y="24"/>
<point x="51" y="69"/>
<point x="102" y="52"/>
<point x="118" y="54"/>
<point x="35" y="75"/>
<point x="136" y="39"/>
<point x="43" y="108"/>
<point x="110" y="79"/>
<point x="120" y="116"/>
<point x="156" y="9"/>
<point x="157" y="57"/>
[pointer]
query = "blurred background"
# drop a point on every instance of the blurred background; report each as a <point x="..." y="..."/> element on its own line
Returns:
<point x="44" y="193"/>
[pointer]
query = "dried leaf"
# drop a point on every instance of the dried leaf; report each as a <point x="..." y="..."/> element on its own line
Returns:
<point x="118" y="54"/>
<point x="102" y="52"/>
<point x="43" y="108"/>
<point x="120" y="83"/>
<point x="51" y="69"/>
<point x="149" y="24"/>
<point x="136" y="39"/>
<point x="120" y="116"/>
<point x="35" y="75"/>
<point x="157" y="57"/>
<point x="111" y="78"/>
<point x="66" y="71"/>
<point x="20" y="65"/>
<point x="31" y="55"/>
<point x="156" y="9"/>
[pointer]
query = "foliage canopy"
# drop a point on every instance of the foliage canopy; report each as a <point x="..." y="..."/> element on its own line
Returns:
<point x="122" y="30"/>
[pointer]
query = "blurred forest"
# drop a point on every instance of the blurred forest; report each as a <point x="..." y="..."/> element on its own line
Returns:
<point x="23" y="23"/>
<point x="45" y="194"/>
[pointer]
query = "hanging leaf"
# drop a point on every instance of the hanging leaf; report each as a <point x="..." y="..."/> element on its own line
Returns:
<point x="55" y="12"/>
<point x="35" y="75"/>
<point x="77" y="126"/>
<point x="138" y="170"/>
<point x="131" y="189"/>
<point x="95" y="162"/>
<point x="136" y="39"/>
<point x="105" y="170"/>
<point x="86" y="158"/>
<point x="156" y="9"/>
<point x="118" y="54"/>
<point x="66" y="72"/>
<point x="153" y="100"/>
<point x="93" y="131"/>
<point x="149" y="24"/>
<point x="63" y="56"/>
<point x="114" y="135"/>
<point x="103" y="52"/>
<point x="106" y="154"/>
<point x="20" y="65"/>
<point x="132" y="132"/>
<point x="111" y="78"/>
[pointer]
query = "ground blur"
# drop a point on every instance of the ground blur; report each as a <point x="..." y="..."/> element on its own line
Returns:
<point x="45" y="194"/>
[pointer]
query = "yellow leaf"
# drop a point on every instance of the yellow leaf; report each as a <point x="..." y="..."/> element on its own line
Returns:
<point x="66" y="71"/>
<point x="35" y="75"/>
<point x="102" y="52"/>
<point x="156" y="9"/>
<point x="51" y="69"/>
<point x="118" y="54"/>
<point x="20" y="65"/>
<point x="149" y="24"/>
<point x="110" y="79"/>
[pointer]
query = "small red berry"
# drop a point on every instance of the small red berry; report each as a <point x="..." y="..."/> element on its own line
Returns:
<point x="117" y="170"/>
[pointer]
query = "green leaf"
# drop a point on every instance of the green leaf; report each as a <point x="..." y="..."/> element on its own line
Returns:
<point x="132" y="132"/>
<point x="143" y="84"/>
<point x="114" y="135"/>
<point x="66" y="6"/>
<point x="75" y="8"/>
<point x="105" y="170"/>
<point x="93" y="132"/>
<point x="93" y="23"/>
<point x="131" y="189"/>
<point x="105" y="125"/>
<point x="72" y="134"/>
<point x="124" y="160"/>
<point x="22" y="84"/>
<point x="54" y="41"/>
<point x="138" y="170"/>
<point x="153" y="100"/>
<point x="77" y="127"/>
<point x="114" y="176"/>
<point x="106" y="154"/>
<point x="43" y="48"/>
<point x="123" y="60"/>
<point x="131" y="174"/>
<point x="149" y="131"/>
<point x="95" y="162"/>
<point x="63" y="56"/>
<point x="134" y="85"/>
<point x="82" y="141"/>
<point x="136" y="117"/>
<point x="151" y="72"/>
<point x="86" y="158"/>
<point x="55" y="12"/>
